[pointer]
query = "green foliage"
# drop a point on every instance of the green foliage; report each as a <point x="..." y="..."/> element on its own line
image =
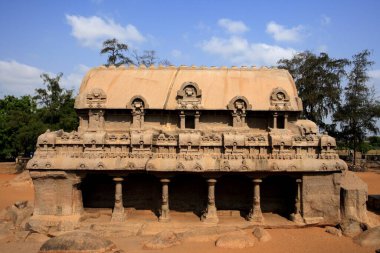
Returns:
<point x="318" y="80"/>
<point x="118" y="54"/>
<point x="23" y="119"/>
<point x="360" y="110"/>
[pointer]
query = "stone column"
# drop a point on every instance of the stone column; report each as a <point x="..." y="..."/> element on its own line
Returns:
<point x="118" y="214"/>
<point x="182" y="118"/>
<point x="255" y="214"/>
<point x="285" y="121"/>
<point x="164" y="216"/>
<point x="210" y="215"/>
<point x="296" y="216"/>
<point x="275" y="120"/>
<point x="196" y="120"/>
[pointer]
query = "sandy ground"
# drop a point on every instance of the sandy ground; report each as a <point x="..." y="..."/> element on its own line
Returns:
<point x="305" y="240"/>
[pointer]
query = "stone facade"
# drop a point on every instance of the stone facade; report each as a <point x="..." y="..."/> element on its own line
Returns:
<point x="196" y="139"/>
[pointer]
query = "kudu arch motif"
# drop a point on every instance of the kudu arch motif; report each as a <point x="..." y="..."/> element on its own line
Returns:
<point x="174" y="121"/>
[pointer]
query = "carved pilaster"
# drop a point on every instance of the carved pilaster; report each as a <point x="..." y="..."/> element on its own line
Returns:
<point x="210" y="215"/>
<point x="196" y="119"/>
<point x="182" y="118"/>
<point x="118" y="213"/>
<point x="275" y="119"/>
<point x="164" y="215"/>
<point x="255" y="214"/>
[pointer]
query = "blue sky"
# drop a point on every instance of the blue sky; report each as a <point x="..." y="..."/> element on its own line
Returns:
<point x="65" y="36"/>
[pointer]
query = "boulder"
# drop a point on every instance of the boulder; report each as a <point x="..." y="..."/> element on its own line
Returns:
<point x="36" y="237"/>
<point x="334" y="231"/>
<point x="18" y="213"/>
<point x="261" y="234"/>
<point x="207" y="234"/>
<point x="162" y="240"/>
<point x="78" y="242"/>
<point x="235" y="241"/>
<point x="352" y="227"/>
<point x="354" y="194"/>
<point x="369" y="238"/>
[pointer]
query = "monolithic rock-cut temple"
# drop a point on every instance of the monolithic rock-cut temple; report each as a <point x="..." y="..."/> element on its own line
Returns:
<point x="188" y="139"/>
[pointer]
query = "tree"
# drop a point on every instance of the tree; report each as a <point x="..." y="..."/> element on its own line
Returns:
<point x="318" y="80"/>
<point x="358" y="114"/>
<point x="116" y="52"/>
<point x="56" y="104"/>
<point x="19" y="126"/>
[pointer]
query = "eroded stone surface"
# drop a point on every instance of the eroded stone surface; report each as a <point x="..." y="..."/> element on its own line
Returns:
<point x="77" y="242"/>
<point x="235" y="241"/>
<point x="334" y="231"/>
<point x="162" y="240"/>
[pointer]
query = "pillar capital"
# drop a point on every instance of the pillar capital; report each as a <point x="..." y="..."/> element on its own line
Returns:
<point x="211" y="180"/>
<point x="257" y="180"/>
<point x="118" y="179"/>
<point x="298" y="180"/>
<point x="165" y="180"/>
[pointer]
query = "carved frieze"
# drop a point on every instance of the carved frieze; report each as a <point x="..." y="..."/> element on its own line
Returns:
<point x="239" y="106"/>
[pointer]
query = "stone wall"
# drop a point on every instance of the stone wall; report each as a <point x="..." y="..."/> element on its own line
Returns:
<point x="321" y="198"/>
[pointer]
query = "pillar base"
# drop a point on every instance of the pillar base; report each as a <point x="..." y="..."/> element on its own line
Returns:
<point x="210" y="216"/>
<point x="256" y="216"/>
<point x="164" y="217"/>
<point x="297" y="218"/>
<point x="118" y="216"/>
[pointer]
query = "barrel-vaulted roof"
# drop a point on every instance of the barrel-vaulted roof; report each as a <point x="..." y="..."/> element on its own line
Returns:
<point x="164" y="88"/>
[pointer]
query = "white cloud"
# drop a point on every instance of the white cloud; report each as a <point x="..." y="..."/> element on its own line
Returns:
<point x="375" y="74"/>
<point x="176" y="53"/>
<point x="92" y="31"/>
<point x="234" y="27"/>
<point x="239" y="51"/>
<point x="21" y="79"/>
<point x="18" y="79"/>
<point x="281" y="33"/>
<point x="325" y="20"/>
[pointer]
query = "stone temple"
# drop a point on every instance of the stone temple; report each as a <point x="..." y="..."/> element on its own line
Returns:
<point x="188" y="139"/>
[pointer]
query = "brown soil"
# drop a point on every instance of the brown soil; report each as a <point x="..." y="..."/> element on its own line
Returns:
<point x="309" y="240"/>
<point x="372" y="178"/>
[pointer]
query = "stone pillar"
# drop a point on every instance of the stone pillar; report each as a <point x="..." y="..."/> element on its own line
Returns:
<point x="182" y="122"/>
<point x="285" y="121"/>
<point x="165" y="216"/>
<point x="118" y="214"/>
<point x="255" y="214"/>
<point x="296" y="216"/>
<point x="196" y="120"/>
<point x="210" y="216"/>
<point x="275" y="120"/>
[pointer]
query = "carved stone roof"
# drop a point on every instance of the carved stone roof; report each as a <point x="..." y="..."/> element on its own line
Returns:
<point x="210" y="88"/>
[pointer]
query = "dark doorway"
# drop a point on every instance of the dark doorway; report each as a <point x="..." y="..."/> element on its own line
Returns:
<point x="234" y="192"/>
<point x="142" y="192"/>
<point x="98" y="191"/>
<point x="190" y="122"/>
<point x="278" y="195"/>
<point x="188" y="193"/>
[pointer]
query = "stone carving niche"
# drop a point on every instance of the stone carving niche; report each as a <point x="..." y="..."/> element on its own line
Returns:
<point x="279" y="99"/>
<point x="96" y="98"/>
<point x="189" y="96"/>
<point x="138" y="105"/>
<point x="239" y="106"/>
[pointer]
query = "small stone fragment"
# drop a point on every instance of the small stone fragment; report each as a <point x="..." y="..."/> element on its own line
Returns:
<point x="163" y="240"/>
<point x="351" y="227"/>
<point x="261" y="234"/>
<point x="235" y="241"/>
<point x="334" y="231"/>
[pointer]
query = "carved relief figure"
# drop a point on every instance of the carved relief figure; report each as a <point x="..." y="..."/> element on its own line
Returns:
<point x="189" y="96"/>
